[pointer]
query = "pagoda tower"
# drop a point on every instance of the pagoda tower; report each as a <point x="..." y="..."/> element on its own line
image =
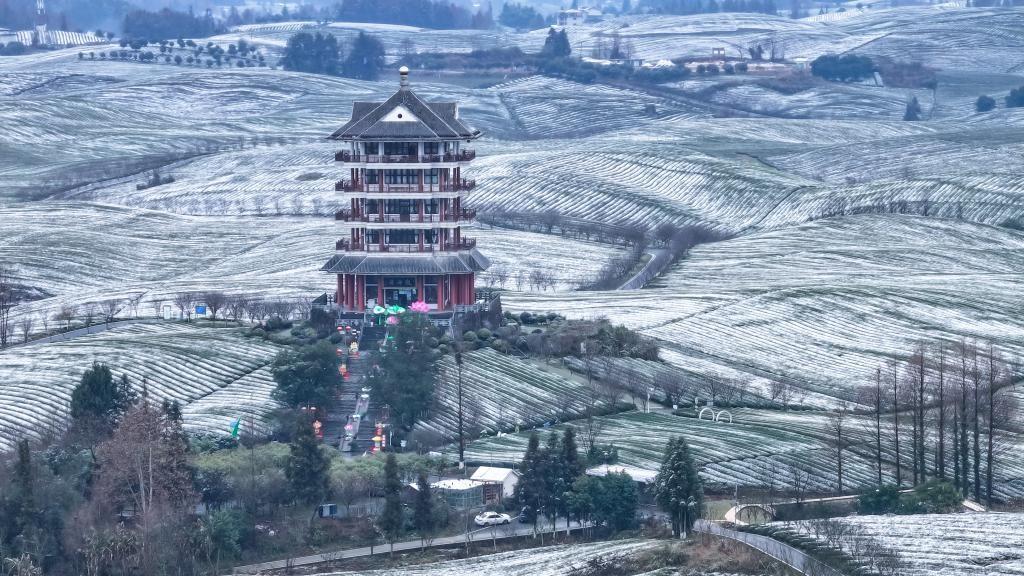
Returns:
<point x="403" y="206"/>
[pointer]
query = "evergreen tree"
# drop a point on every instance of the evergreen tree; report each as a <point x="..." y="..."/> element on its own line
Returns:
<point x="407" y="373"/>
<point x="365" y="59"/>
<point x="423" y="513"/>
<point x="530" y="490"/>
<point x="678" y="488"/>
<point x="618" y="503"/>
<point x="391" y="521"/>
<point x="98" y="402"/>
<point x="305" y="52"/>
<point x="552" y="470"/>
<point x="307" y="376"/>
<point x="556" y="45"/>
<point x="307" y="467"/>
<point x="24" y="483"/>
<point x="913" y="111"/>
<point x="572" y="467"/>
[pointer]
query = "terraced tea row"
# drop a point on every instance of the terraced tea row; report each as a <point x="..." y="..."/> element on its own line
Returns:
<point x="216" y="374"/>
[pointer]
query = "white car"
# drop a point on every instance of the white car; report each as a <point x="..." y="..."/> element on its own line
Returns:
<point x="491" y="519"/>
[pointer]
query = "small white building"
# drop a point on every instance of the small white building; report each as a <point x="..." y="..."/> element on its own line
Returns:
<point x="499" y="483"/>
<point x="460" y="493"/>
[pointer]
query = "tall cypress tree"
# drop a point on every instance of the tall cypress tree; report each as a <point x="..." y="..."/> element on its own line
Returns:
<point x="391" y="520"/>
<point x="307" y="466"/>
<point x="529" y="491"/>
<point x="678" y="489"/>
<point x="24" y="492"/>
<point x="423" y="513"/>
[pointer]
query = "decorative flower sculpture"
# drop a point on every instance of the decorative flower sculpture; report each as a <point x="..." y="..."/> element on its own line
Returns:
<point x="392" y="320"/>
<point x="419" y="306"/>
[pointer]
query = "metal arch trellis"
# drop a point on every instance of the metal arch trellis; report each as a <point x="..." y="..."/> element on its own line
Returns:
<point x="715" y="416"/>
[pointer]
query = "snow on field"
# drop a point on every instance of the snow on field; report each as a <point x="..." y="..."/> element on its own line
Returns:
<point x="822" y="304"/>
<point x="739" y="453"/>
<point x="503" y="392"/>
<point x="949" y="544"/>
<point x="758" y="447"/>
<point x="83" y="253"/>
<point x="215" y="373"/>
<point x="547" y="561"/>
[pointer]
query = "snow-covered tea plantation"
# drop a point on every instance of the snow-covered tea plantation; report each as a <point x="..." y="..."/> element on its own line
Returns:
<point x="215" y="373"/>
<point x="847" y="235"/>
<point x="948" y="544"/>
<point x="82" y="254"/>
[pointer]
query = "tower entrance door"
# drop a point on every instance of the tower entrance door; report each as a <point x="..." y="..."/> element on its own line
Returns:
<point x="399" y="290"/>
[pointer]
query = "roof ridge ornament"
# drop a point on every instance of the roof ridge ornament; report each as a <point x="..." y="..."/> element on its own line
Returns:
<point x="403" y="76"/>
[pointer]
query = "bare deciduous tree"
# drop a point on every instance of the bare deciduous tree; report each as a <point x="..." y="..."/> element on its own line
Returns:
<point x="215" y="301"/>
<point x="184" y="301"/>
<point x="839" y="439"/>
<point x="110" y="308"/>
<point x="25" y="325"/>
<point x="7" y="303"/>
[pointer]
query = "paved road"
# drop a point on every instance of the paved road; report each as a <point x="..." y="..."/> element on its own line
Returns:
<point x="660" y="258"/>
<point x="481" y="535"/>
<point x="780" y="551"/>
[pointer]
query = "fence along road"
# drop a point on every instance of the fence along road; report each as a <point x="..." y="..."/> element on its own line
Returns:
<point x="788" y="555"/>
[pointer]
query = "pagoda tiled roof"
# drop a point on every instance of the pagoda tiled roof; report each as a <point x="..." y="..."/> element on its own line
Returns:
<point x="377" y="263"/>
<point x="434" y="120"/>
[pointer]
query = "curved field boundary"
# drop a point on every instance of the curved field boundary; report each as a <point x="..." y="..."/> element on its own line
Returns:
<point x="780" y="551"/>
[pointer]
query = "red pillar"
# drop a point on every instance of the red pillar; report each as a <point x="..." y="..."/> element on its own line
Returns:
<point x="419" y="288"/>
<point x="339" y="293"/>
<point x="380" y="291"/>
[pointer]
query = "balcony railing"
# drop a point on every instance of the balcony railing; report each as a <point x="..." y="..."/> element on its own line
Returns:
<point x="349" y="246"/>
<point x="346" y="215"/>
<point x="461" y="156"/>
<point x="457" y="186"/>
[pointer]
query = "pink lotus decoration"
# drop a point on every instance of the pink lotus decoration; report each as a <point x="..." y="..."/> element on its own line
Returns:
<point x="392" y="320"/>
<point x="419" y="306"/>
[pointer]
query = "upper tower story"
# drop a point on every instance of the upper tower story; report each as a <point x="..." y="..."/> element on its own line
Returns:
<point x="405" y="130"/>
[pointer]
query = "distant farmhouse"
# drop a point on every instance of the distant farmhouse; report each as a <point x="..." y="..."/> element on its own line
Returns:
<point x="582" y="15"/>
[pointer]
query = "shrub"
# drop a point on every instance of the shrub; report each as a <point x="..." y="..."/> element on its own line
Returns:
<point x="985" y="103"/>
<point x="433" y="342"/>
<point x="729" y="69"/>
<point x="13" y="49"/>
<point x="1015" y="99"/>
<point x="335" y="338"/>
<point x="469" y="336"/>
<point x="483" y="334"/>
<point x="526" y="318"/>
<point x="846" y="68"/>
<point x="884" y="500"/>
<point x="713" y="69"/>
<point x="741" y="67"/>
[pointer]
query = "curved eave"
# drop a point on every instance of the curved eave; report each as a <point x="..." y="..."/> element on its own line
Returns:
<point x="465" y="262"/>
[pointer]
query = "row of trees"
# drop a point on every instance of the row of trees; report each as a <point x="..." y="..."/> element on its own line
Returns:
<point x="938" y="415"/>
<point x="321" y="54"/>
<point x="552" y="484"/>
<point x="168" y="23"/>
